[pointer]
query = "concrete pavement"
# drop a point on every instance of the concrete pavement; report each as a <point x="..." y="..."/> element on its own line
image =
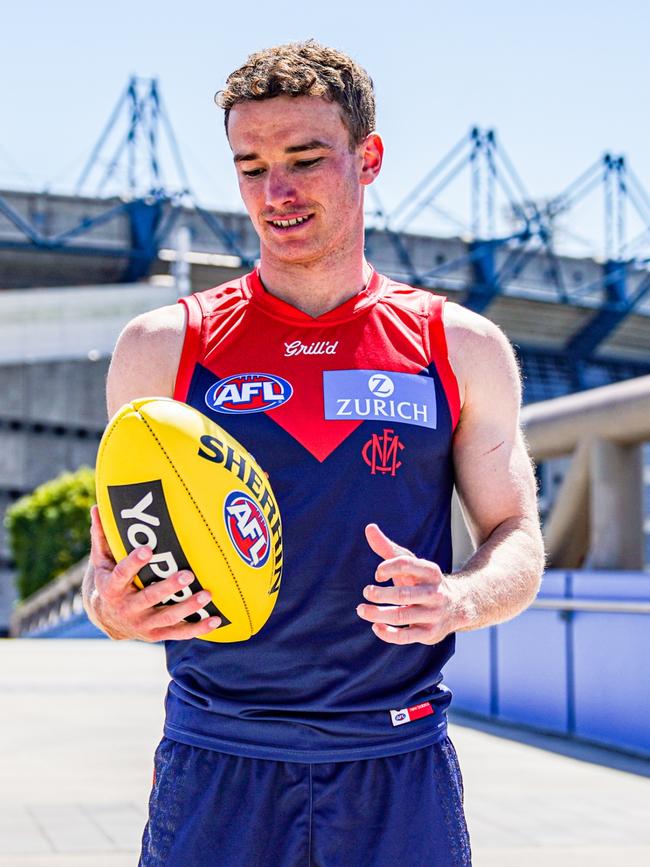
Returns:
<point x="80" y="721"/>
<point x="527" y="806"/>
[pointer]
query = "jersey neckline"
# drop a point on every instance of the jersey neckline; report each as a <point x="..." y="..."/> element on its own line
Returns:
<point x="349" y="309"/>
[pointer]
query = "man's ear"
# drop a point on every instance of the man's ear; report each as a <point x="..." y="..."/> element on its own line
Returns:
<point x="372" y="152"/>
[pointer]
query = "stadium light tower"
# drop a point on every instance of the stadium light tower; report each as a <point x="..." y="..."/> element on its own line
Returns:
<point x="625" y="277"/>
<point x="134" y="161"/>
<point x="492" y="174"/>
<point x="127" y="163"/>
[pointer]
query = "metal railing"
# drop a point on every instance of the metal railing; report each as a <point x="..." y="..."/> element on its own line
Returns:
<point x="54" y="604"/>
<point x="602" y="606"/>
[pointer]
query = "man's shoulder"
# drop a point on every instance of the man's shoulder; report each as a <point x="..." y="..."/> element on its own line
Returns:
<point x="479" y="351"/>
<point x="159" y="319"/>
<point x="406" y="296"/>
<point x="462" y="325"/>
<point x="159" y="326"/>
<point x="163" y="328"/>
<point x="224" y="296"/>
<point x="146" y="356"/>
<point x="466" y="325"/>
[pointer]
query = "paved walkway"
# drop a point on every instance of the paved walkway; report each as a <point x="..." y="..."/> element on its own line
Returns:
<point x="80" y="721"/>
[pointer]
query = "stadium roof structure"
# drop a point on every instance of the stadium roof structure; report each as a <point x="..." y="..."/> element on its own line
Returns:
<point x="502" y="259"/>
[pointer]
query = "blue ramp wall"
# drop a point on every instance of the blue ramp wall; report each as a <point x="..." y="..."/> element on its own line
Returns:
<point x="583" y="674"/>
<point x="579" y="673"/>
<point x="75" y="626"/>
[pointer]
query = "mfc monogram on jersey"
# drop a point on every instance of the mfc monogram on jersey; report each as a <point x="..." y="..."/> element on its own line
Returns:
<point x="351" y="414"/>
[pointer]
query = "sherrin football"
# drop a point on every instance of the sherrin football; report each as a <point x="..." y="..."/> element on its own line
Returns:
<point x="169" y="478"/>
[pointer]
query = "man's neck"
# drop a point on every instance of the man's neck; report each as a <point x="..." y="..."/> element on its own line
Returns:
<point x="315" y="289"/>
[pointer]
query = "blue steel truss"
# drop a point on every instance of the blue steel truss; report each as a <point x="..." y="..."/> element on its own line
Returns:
<point x="495" y="260"/>
<point x="491" y="169"/>
<point x="135" y="158"/>
<point x="622" y="190"/>
<point x="151" y="206"/>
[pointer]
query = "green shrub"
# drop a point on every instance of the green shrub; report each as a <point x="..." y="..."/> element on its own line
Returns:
<point x="49" y="529"/>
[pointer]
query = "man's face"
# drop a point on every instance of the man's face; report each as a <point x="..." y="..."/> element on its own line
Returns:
<point x="300" y="182"/>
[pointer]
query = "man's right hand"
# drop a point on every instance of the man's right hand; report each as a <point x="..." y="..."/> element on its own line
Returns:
<point x="121" y="610"/>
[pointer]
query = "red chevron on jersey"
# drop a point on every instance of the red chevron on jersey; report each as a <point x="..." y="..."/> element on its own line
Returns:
<point x="261" y="351"/>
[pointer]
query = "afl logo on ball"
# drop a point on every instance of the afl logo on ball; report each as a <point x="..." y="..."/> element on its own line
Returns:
<point x="248" y="392"/>
<point x="247" y="528"/>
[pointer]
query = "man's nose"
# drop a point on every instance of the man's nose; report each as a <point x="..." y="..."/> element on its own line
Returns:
<point x="280" y="190"/>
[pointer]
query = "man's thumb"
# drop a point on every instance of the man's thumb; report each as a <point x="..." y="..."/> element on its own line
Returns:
<point x="381" y="544"/>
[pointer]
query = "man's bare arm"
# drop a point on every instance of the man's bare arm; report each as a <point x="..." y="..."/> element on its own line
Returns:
<point x="144" y="364"/>
<point x="496" y="484"/>
<point x="494" y="478"/>
<point x="146" y="357"/>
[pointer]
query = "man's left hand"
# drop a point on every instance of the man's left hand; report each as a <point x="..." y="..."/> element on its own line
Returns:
<point x="419" y="608"/>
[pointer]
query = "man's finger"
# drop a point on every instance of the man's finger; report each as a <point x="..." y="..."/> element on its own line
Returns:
<point x="382" y="545"/>
<point x="412" y="569"/>
<point x="405" y="594"/>
<point x="395" y="615"/>
<point x="183" y="631"/>
<point x="116" y="582"/>
<point x="154" y="594"/>
<point x="100" y="553"/>
<point x="170" y="615"/>
<point x="400" y="635"/>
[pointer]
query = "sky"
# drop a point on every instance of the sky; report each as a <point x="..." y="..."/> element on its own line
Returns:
<point x="560" y="82"/>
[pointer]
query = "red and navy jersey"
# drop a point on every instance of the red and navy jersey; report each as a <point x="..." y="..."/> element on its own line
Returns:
<point x="352" y="415"/>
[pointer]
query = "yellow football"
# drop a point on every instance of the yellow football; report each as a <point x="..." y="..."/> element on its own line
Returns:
<point x="171" y="479"/>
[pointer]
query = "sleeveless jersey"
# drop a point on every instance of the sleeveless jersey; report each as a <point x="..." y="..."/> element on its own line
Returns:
<point x="352" y="415"/>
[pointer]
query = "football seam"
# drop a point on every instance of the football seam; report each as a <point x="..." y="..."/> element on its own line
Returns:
<point x="196" y="506"/>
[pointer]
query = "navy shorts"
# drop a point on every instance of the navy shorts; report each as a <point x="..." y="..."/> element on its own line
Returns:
<point x="210" y="808"/>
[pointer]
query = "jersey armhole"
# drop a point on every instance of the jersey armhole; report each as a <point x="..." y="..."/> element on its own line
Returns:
<point x="440" y="356"/>
<point x="191" y="346"/>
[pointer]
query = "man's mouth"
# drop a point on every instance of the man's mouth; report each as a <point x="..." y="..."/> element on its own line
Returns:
<point x="290" y="221"/>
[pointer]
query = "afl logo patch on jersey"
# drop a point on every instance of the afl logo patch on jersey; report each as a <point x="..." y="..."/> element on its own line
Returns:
<point x="378" y="395"/>
<point x="248" y="392"/>
<point x="408" y="714"/>
<point x="247" y="528"/>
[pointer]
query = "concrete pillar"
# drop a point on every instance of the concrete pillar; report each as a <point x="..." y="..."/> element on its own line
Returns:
<point x="181" y="267"/>
<point x="64" y="392"/>
<point x="616" y="506"/>
<point x="461" y="541"/>
<point x="566" y="530"/>
<point x="8" y="598"/>
<point x="619" y="412"/>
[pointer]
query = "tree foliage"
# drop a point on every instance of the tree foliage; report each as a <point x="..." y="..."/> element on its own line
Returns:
<point x="49" y="529"/>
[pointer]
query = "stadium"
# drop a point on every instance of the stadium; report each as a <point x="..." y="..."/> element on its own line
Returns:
<point x="76" y="266"/>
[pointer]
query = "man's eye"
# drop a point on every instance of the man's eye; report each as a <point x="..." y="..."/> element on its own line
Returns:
<point x="252" y="173"/>
<point x="307" y="164"/>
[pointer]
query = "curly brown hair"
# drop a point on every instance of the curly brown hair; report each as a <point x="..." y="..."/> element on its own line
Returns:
<point x="305" y="69"/>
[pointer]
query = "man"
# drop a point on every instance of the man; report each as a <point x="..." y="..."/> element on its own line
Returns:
<point x="322" y="740"/>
